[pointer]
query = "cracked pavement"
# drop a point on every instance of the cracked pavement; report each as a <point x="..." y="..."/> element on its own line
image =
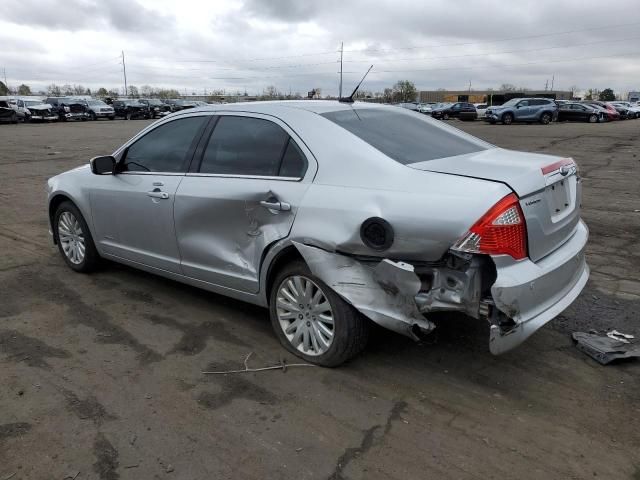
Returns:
<point x="100" y="374"/>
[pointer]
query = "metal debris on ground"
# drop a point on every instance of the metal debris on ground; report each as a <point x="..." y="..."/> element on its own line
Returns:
<point x="282" y="366"/>
<point x="605" y="348"/>
<point x="623" y="337"/>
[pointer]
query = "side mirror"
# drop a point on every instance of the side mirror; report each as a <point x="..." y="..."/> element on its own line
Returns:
<point x="104" y="165"/>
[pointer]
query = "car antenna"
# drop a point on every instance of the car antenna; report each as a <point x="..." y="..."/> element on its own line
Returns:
<point x="349" y="99"/>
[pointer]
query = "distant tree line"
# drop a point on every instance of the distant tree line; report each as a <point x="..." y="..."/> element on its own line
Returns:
<point x="401" y="91"/>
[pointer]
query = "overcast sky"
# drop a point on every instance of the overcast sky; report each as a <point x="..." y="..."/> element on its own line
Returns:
<point x="249" y="44"/>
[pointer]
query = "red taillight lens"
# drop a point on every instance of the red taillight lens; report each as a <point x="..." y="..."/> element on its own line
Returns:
<point x="500" y="231"/>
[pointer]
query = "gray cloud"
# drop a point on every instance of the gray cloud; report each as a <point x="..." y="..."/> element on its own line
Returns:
<point x="73" y="15"/>
<point x="293" y="44"/>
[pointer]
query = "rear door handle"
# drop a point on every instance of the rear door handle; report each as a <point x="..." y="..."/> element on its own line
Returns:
<point x="162" y="195"/>
<point x="276" y="205"/>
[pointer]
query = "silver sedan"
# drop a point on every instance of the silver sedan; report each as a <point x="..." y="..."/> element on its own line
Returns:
<point x="334" y="215"/>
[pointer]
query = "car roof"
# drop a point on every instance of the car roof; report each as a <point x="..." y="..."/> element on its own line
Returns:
<point x="314" y="106"/>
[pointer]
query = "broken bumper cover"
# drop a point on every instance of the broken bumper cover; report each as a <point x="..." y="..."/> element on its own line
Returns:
<point x="384" y="292"/>
<point x="532" y="294"/>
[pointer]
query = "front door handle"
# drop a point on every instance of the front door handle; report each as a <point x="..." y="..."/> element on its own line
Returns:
<point x="276" y="205"/>
<point x="155" y="194"/>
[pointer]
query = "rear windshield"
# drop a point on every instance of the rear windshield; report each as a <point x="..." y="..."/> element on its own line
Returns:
<point x="405" y="137"/>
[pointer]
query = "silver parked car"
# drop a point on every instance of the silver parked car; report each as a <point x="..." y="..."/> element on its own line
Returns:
<point x="333" y="215"/>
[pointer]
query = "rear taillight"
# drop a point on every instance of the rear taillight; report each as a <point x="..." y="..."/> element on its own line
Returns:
<point x="500" y="231"/>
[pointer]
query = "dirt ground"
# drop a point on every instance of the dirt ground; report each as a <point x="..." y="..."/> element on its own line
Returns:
<point x="100" y="375"/>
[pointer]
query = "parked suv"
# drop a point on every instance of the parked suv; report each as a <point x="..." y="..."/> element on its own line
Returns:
<point x="130" y="109"/>
<point x="543" y="110"/>
<point x="69" y="108"/>
<point x="98" y="109"/>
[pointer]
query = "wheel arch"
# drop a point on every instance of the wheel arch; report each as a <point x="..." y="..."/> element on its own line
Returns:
<point x="58" y="198"/>
<point x="277" y="258"/>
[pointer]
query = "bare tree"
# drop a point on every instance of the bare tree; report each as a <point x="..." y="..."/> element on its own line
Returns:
<point x="133" y="91"/>
<point x="54" y="90"/>
<point x="404" y="91"/>
<point x="146" y="91"/>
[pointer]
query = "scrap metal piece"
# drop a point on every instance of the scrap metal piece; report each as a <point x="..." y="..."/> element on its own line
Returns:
<point x="384" y="292"/>
<point x="605" y="349"/>
<point x="623" y="337"/>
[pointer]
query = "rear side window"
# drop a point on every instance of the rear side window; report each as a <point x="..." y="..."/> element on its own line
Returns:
<point x="406" y="138"/>
<point x="251" y="146"/>
<point x="163" y="149"/>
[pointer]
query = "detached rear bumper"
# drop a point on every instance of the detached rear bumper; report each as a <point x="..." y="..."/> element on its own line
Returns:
<point x="532" y="294"/>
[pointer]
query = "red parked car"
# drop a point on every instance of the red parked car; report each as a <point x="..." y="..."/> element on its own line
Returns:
<point x="610" y="112"/>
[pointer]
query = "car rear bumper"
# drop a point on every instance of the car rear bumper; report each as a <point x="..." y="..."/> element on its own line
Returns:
<point x="532" y="294"/>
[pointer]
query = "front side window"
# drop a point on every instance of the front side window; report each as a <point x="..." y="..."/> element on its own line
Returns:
<point x="163" y="149"/>
<point x="251" y="146"/>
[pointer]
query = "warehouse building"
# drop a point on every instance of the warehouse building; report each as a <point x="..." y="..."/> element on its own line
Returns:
<point x="491" y="97"/>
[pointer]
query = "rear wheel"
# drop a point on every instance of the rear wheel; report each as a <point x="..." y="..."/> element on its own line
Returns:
<point x="74" y="239"/>
<point x="507" y="119"/>
<point x="593" y="118"/>
<point x="312" y="321"/>
<point x="545" y="118"/>
<point x="14" y="118"/>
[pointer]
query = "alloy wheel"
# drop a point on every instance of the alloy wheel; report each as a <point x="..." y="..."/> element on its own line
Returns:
<point x="305" y="315"/>
<point x="71" y="237"/>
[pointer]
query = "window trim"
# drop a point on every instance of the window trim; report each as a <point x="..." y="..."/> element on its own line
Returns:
<point x="196" y="164"/>
<point x="188" y="157"/>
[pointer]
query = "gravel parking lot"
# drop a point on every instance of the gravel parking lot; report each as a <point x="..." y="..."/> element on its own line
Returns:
<point x="100" y="375"/>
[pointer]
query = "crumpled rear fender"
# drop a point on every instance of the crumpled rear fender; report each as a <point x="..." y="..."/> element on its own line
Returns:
<point x="382" y="291"/>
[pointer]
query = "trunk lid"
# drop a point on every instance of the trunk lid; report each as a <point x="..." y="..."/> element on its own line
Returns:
<point x="548" y="187"/>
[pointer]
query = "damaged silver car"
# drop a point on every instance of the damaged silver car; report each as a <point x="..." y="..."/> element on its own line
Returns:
<point x="334" y="215"/>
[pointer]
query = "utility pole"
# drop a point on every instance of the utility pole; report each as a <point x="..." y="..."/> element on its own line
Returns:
<point x="124" y="71"/>
<point x="341" y="53"/>
<point x="552" y="81"/>
<point x="4" y="71"/>
<point x="546" y="85"/>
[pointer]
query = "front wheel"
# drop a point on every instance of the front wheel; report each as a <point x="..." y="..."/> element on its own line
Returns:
<point x="312" y="321"/>
<point x="507" y="119"/>
<point x="74" y="239"/>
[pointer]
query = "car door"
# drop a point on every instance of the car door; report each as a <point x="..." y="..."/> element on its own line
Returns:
<point x="522" y="110"/>
<point x="133" y="210"/>
<point x="455" y="110"/>
<point x="250" y="175"/>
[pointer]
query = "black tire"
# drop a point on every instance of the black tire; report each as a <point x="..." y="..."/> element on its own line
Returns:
<point x="112" y="118"/>
<point x="26" y="119"/>
<point x="545" y="118"/>
<point x="91" y="259"/>
<point x="507" y="119"/>
<point x="445" y="116"/>
<point x="94" y="116"/>
<point x="351" y="329"/>
<point x="593" y="118"/>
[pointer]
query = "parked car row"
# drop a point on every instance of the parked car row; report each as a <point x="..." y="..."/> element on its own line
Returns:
<point x="533" y="110"/>
<point x="51" y="109"/>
